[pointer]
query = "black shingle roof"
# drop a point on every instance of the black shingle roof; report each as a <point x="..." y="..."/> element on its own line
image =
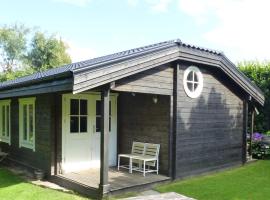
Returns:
<point x="69" y="68"/>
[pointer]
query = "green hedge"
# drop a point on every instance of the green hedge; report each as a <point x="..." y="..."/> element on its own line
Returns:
<point x="259" y="73"/>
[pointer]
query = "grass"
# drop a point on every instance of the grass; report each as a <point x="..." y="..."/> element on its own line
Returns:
<point x="15" y="188"/>
<point x="250" y="182"/>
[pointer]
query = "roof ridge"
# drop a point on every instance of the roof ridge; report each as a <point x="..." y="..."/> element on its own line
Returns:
<point x="99" y="60"/>
<point x="202" y="48"/>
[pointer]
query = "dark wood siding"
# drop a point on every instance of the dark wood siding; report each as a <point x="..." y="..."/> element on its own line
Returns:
<point x="209" y="128"/>
<point x="143" y="121"/>
<point x="41" y="158"/>
<point x="89" y="79"/>
<point x="158" y="80"/>
<point x="56" y="135"/>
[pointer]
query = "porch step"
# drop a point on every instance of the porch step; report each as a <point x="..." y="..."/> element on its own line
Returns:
<point x="75" y="186"/>
<point x="139" y="187"/>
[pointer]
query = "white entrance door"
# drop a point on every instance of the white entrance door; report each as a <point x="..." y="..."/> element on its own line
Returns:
<point x="112" y="128"/>
<point x="81" y="132"/>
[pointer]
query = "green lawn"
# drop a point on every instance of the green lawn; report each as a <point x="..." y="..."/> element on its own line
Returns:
<point x="14" y="188"/>
<point x="251" y="182"/>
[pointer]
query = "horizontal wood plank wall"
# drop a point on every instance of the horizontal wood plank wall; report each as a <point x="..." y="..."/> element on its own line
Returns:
<point x="56" y="135"/>
<point x="158" y="80"/>
<point x="41" y="158"/>
<point x="209" y="128"/>
<point x="89" y="79"/>
<point x="143" y="121"/>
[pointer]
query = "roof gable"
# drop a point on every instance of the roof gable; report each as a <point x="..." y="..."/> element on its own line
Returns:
<point x="102" y="70"/>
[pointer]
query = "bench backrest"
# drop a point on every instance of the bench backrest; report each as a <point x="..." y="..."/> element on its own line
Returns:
<point x="138" y="148"/>
<point x="152" y="150"/>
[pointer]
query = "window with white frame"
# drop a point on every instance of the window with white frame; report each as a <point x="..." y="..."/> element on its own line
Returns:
<point x="193" y="82"/>
<point x="27" y="122"/>
<point x="78" y="116"/>
<point x="5" y="121"/>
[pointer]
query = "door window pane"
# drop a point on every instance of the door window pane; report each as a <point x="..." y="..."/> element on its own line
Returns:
<point x="74" y="124"/>
<point x="83" y="107"/>
<point x="83" y="124"/>
<point x="110" y="108"/>
<point x="78" y="115"/>
<point x="98" y="123"/>
<point x="98" y="115"/>
<point x="25" y="122"/>
<point x="98" y="107"/>
<point x="74" y="106"/>
<point x="110" y="123"/>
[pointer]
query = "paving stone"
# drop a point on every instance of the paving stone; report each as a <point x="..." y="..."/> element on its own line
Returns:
<point x="149" y="192"/>
<point x="51" y="185"/>
<point x="164" y="196"/>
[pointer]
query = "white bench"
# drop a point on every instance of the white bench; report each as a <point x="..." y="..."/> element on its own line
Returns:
<point x="144" y="154"/>
<point x="137" y="150"/>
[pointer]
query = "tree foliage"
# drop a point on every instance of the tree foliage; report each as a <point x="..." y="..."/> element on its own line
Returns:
<point x="25" y="51"/>
<point x="259" y="73"/>
<point x="16" y="73"/>
<point x="12" y="45"/>
<point x="47" y="52"/>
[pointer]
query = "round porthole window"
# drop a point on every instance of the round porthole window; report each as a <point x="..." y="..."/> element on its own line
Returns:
<point x="193" y="82"/>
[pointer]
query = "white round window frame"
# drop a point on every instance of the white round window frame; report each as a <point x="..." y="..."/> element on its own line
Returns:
<point x="197" y="92"/>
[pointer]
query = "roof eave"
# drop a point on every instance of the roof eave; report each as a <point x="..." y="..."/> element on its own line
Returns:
<point x="257" y="93"/>
<point x="65" y="74"/>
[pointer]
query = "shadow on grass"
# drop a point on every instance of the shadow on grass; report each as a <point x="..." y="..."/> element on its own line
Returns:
<point x="7" y="178"/>
<point x="13" y="186"/>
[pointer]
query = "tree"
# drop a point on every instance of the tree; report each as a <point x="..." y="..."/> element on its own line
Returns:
<point x="16" y="73"/>
<point x="12" y="45"/>
<point x="24" y="51"/>
<point x="259" y="73"/>
<point x="47" y="52"/>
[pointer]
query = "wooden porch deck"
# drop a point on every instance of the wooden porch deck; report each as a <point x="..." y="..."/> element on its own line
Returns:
<point x="119" y="180"/>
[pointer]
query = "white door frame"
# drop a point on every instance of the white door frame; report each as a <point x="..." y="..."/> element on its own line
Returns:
<point x="91" y="97"/>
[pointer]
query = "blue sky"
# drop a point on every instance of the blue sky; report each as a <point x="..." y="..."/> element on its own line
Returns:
<point x="98" y="27"/>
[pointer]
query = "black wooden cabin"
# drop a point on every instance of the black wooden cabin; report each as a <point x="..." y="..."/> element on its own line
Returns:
<point x="191" y="100"/>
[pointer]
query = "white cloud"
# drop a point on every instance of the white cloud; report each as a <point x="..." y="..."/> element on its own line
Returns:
<point x="132" y="3"/>
<point x="155" y="5"/>
<point x="80" y="53"/>
<point x="159" y="5"/>
<point x="239" y="27"/>
<point x="80" y="3"/>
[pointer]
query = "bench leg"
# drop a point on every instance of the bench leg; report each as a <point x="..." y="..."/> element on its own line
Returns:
<point x="118" y="165"/>
<point x="157" y="166"/>
<point x="144" y="168"/>
<point x="130" y="165"/>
